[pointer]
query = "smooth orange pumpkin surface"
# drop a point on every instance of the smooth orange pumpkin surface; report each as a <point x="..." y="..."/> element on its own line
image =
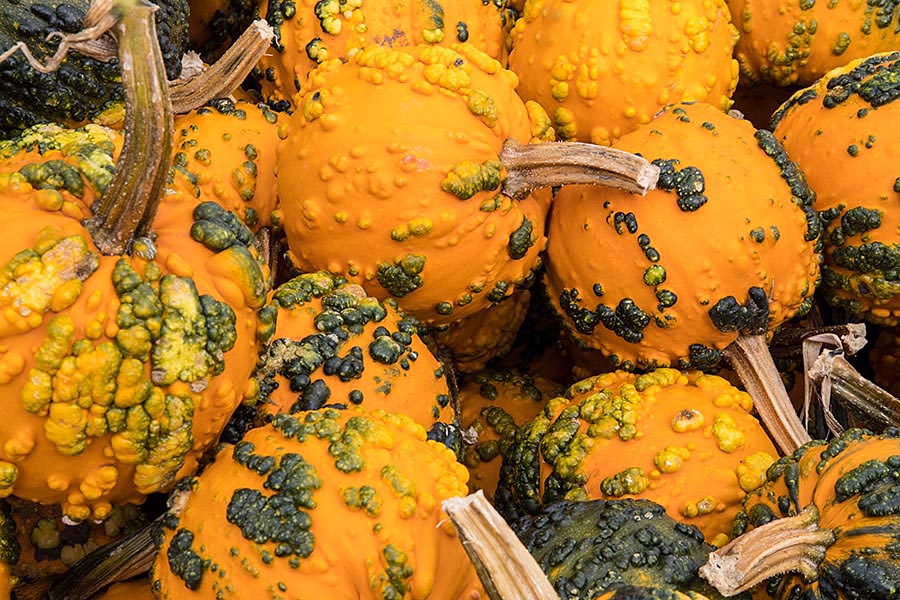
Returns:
<point x="325" y="504"/>
<point x="334" y="345"/>
<point x="309" y="32"/>
<point x="685" y="440"/>
<point x="795" y="42"/>
<point x="118" y="372"/>
<point x="602" y="69"/>
<point x="230" y="147"/>
<point x="137" y="589"/>
<point x="726" y="244"/>
<point x="842" y="131"/>
<point x="390" y="177"/>
<point x="493" y="404"/>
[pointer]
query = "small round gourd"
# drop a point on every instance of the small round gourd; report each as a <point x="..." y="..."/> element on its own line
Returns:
<point x="795" y="42"/>
<point x="602" y="69"/>
<point x="685" y="440"/>
<point x="842" y="132"/>
<point x="333" y="345"/>
<point x="324" y="504"/>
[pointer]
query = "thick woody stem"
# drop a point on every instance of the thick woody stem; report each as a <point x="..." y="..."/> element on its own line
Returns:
<point x="552" y="164"/>
<point x="874" y="406"/>
<point x="750" y="358"/>
<point x="127" y="207"/>
<point x="790" y="544"/>
<point x="505" y="567"/>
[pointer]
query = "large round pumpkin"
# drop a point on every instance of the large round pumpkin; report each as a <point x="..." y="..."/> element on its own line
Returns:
<point x="601" y="69"/>
<point x="727" y="244"/>
<point x="324" y="504"/>
<point x="390" y="177"/>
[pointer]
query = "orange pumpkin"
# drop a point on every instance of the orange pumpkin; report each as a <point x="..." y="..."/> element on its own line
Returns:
<point x="841" y="132"/>
<point x="795" y="42"/>
<point x="685" y="440"/>
<point x="323" y="504"/>
<point x="333" y="345"/>
<point x="309" y="32"/>
<point x="390" y="177"/>
<point x="602" y="69"/>
<point x="229" y="147"/>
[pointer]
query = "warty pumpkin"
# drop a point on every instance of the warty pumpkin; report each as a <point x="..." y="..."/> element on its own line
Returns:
<point x="309" y="32"/>
<point x="722" y="252"/>
<point x="795" y="42"/>
<point x="824" y="525"/>
<point x="335" y="346"/>
<point x="840" y="131"/>
<point x="123" y="356"/>
<point x="392" y="171"/>
<point x="685" y="440"/>
<point x="493" y="404"/>
<point x="230" y="148"/>
<point x="601" y="69"/>
<point x="323" y="504"/>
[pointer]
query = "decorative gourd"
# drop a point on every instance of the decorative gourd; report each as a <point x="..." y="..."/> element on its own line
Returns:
<point x="493" y="404"/>
<point x="119" y="369"/>
<point x="335" y="346"/>
<point x="230" y="147"/>
<point x="845" y="124"/>
<point x="309" y="32"/>
<point x="83" y="87"/>
<point x="823" y="526"/>
<point x="392" y="171"/>
<point x="699" y="265"/>
<point x="324" y="504"/>
<point x="138" y="589"/>
<point x="471" y="343"/>
<point x="591" y="547"/>
<point x="795" y="42"/>
<point x="602" y="69"/>
<point x="684" y="440"/>
<point x="214" y="24"/>
<point x="10" y="551"/>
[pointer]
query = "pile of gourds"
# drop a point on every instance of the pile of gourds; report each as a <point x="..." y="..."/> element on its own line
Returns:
<point x="283" y="279"/>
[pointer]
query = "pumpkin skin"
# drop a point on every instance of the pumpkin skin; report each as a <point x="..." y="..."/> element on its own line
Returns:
<point x="230" y="147"/>
<point x="673" y="278"/>
<point x="493" y="404"/>
<point x="375" y="211"/>
<point x="120" y="377"/>
<point x="852" y="480"/>
<point x="310" y="32"/>
<point x="794" y="42"/>
<point x="602" y="69"/>
<point x="138" y="589"/>
<point x="684" y="440"/>
<point x="844" y="123"/>
<point x="335" y="346"/>
<point x="340" y="503"/>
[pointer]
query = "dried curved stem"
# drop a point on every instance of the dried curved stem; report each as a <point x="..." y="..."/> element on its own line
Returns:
<point x="127" y="207"/>
<point x="750" y="358"/>
<point x="505" y="567"/>
<point x="532" y="166"/>
<point x="790" y="544"/>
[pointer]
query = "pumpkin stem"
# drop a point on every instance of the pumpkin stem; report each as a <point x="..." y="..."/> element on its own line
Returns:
<point x="791" y="544"/>
<point x="552" y="164"/>
<point x="875" y="407"/>
<point x="750" y="358"/>
<point x="226" y="74"/>
<point x="127" y="207"/>
<point x="503" y="564"/>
